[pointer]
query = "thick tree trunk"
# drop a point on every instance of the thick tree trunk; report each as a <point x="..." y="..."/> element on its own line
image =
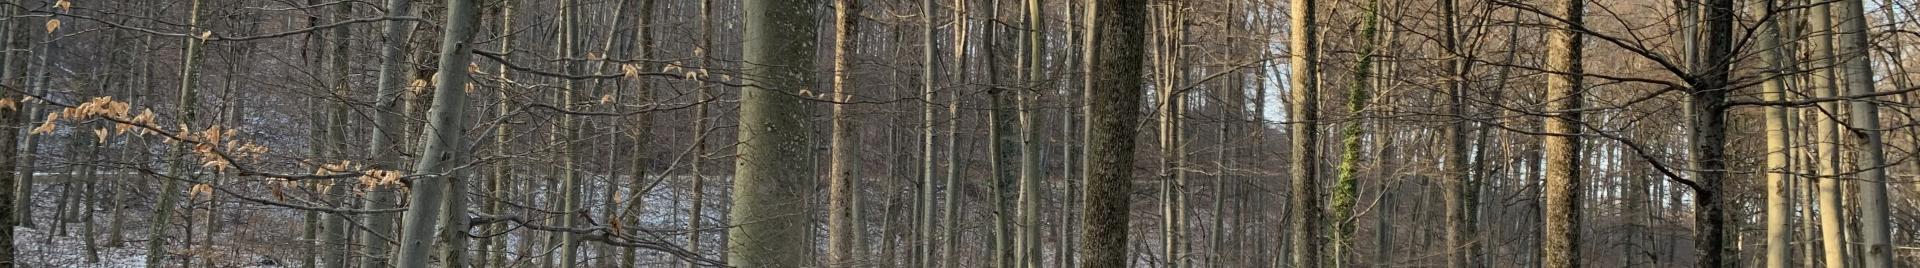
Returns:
<point x="1565" y="93"/>
<point x="1113" y="99"/>
<point x="1708" y="106"/>
<point x="384" y="146"/>
<point x="779" y="38"/>
<point x="1864" y="116"/>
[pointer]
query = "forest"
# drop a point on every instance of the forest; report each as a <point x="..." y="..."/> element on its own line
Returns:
<point x="959" y="133"/>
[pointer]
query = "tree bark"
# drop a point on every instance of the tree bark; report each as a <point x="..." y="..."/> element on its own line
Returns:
<point x="1113" y="99"/>
<point x="189" y="97"/>
<point x="1864" y="116"/>
<point x="335" y="240"/>
<point x="1708" y="107"/>
<point x="1779" y="228"/>
<point x="442" y="137"/>
<point x="1565" y="93"/>
<point x="779" y="38"/>
<point x="1357" y="97"/>
<point x="1827" y="135"/>
<point x="1027" y="253"/>
<point x="1304" y="205"/>
<point x="845" y="158"/>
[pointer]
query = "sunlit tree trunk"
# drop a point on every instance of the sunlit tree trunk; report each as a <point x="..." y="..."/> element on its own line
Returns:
<point x="1304" y="205"/>
<point x="1565" y="94"/>
<point x="845" y="158"/>
<point x="1779" y="208"/>
<point x="1827" y="134"/>
<point x="1864" y="127"/>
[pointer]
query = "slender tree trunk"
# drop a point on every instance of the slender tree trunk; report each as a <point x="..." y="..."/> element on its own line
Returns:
<point x="1171" y="107"/>
<point x="924" y="247"/>
<point x="1357" y="97"/>
<point x="1458" y="185"/>
<point x="1778" y="168"/>
<point x="441" y="141"/>
<point x="1304" y="204"/>
<point x="1565" y="92"/>
<point x="700" y="131"/>
<point x="1113" y="99"/>
<point x="779" y="38"/>
<point x="314" y="53"/>
<point x="571" y="185"/>
<point x="502" y="172"/>
<point x="950" y="225"/>
<point x="384" y="148"/>
<point x="1027" y="254"/>
<point x="1002" y="149"/>
<point x="845" y="158"/>
<point x="189" y="97"/>
<point x="1827" y="135"/>
<point x="335" y="240"/>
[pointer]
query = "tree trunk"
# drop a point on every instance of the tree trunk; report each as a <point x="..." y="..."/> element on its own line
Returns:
<point x="1357" y="95"/>
<point x="950" y="225"/>
<point x="1708" y="106"/>
<point x="189" y="97"/>
<point x="1827" y="135"/>
<point x="334" y="241"/>
<point x="1171" y="106"/>
<point x="779" y="38"/>
<point x="502" y="172"/>
<point x="924" y="247"/>
<point x="1565" y="93"/>
<point x="1113" y="99"/>
<point x="1027" y="254"/>
<point x="441" y="141"/>
<point x="1865" y="130"/>
<point x="1002" y="148"/>
<point x="1304" y="205"/>
<point x="845" y="159"/>
<point x="1779" y="208"/>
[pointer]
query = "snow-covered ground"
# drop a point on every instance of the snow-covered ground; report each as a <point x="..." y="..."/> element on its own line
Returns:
<point x="34" y="250"/>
